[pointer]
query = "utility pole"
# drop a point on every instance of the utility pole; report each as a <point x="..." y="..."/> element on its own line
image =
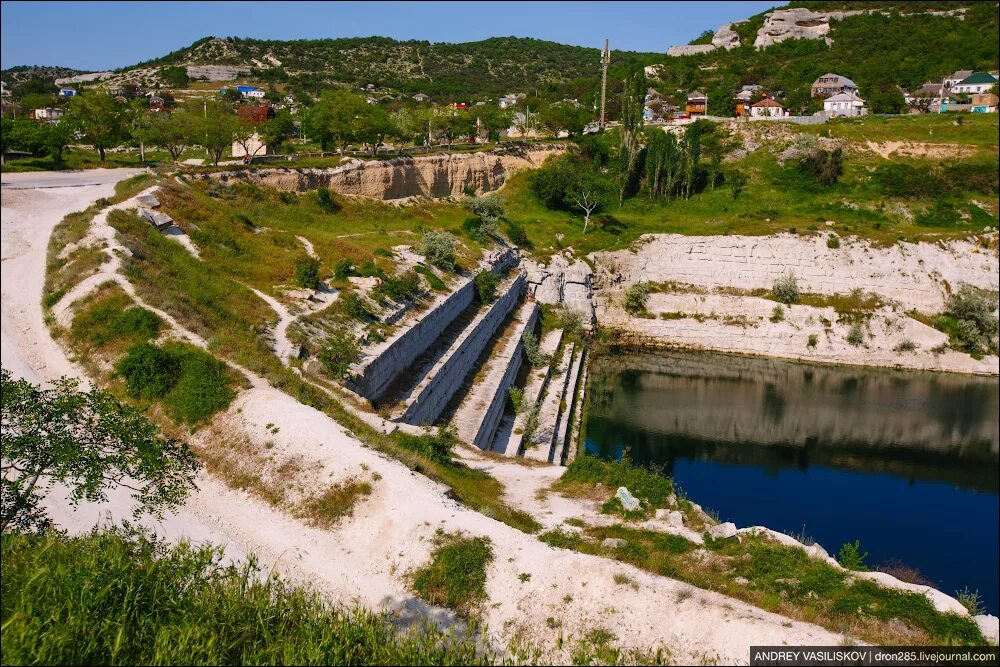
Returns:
<point x="605" y="61"/>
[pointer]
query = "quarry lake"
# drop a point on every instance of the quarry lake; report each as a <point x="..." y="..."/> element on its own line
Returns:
<point x="907" y="462"/>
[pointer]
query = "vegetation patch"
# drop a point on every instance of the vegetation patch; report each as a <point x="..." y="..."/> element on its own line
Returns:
<point x="124" y="598"/>
<point x="336" y="502"/>
<point x="109" y="318"/>
<point x="455" y="577"/>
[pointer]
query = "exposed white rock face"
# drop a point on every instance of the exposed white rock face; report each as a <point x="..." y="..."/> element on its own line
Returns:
<point x="723" y="530"/>
<point x="797" y="23"/>
<point x="690" y="49"/>
<point x="83" y="78"/>
<point x="563" y="281"/>
<point x="726" y="37"/>
<point x="915" y="274"/>
<point x="989" y="625"/>
<point x="215" y="72"/>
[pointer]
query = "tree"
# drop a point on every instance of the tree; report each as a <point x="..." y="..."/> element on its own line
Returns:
<point x="372" y="126"/>
<point x="690" y="158"/>
<point x="333" y="119"/>
<point x="565" y="116"/>
<point x="825" y="166"/>
<point x="662" y="163"/>
<point x="216" y="128"/>
<point x="887" y="100"/>
<point x="737" y="182"/>
<point x="274" y="131"/>
<point x="714" y="148"/>
<point x="175" y="77"/>
<point x="140" y="121"/>
<point x="100" y="119"/>
<point x="413" y="125"/>
<point x="175" y="131"/>
<point x="56" y="138"/>
<point x="494" y="120"/>
<point x="88" y="442"/>
<point x="589" y="191"/>
<point x="454" y="123"/>
<point x="632" y="100"/>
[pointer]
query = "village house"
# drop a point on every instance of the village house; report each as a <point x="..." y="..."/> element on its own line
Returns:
<point x="697" y="103"/>
<point x="844" y="104"/>
<point x="832" y="84"/>
<point x="250" y="91"/>
<point x="507" y="101"/>
<point x="743" y="97"/>
<point x="67" y="92"/>
<point x="420" y="97"/>
<point x="47" y="114"/>
<point x="984" y="103"/>
<point x="931" y="93"/>
<point x="767" y="108"/>
<point x="656" y="107"/>
<point x="975" y="83"/>
<point x="950" y="80"/>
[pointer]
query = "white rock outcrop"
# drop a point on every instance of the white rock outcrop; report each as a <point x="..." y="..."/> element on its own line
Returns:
<point x="797" y="23"/>
<point x="564" y="280"/>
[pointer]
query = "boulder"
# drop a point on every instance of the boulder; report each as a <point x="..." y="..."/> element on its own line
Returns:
<point x="629" y="502"/>
<point x="670" y="517"/>
<point x="148" y="200"/>
<point x="612" y="543"/>
<point x="723" y="531"/>
<point x="989" y="625"/>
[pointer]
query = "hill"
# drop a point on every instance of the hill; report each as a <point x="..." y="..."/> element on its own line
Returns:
<point x="878" y="45"/>
<point x="444" y="71"/>
<point x="15" y="76"/>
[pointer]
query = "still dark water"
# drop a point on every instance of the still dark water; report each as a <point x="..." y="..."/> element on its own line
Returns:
<point x="906" y="462"/>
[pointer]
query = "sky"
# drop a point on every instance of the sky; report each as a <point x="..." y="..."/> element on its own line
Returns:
<point x="108" y="35"/>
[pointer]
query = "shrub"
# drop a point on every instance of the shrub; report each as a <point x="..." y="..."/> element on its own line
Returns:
<point x="149" y="372"/>
<point x="778" y="314"/>
<point x="851" y="557"/>
<point x="856" y="336"/>
<point x="115" y="318"/>
<point x="786" y="289"/>
<point x="518" y="235"/>
<point x="439" y="249"/>
<point x="941" y="214"/>
<point x="515" y="396"/>
<point x="432" y="279"/>
<point x="399" y="288"/>
<point x="354" y="307"/>
<point x="342" y="269"/>
<point x="823" y="165"/>
<point x="635" y="298"/>
<point x="486" y="286"/>
<point x="971" y="600"/>
<point x="434" y="447"/>
<point x="646" y="484"/>
<point x="339" y="352"/>
<point x="307" y="272"/>
<point x="326" y="201"/>
<point x="975" y="331"/>
<point x="833" y="241"/>
<point x="532" y="351"/>
<point x="489" y="210"/>
<point x="456" y="575"/>
<point x="812" y="341"/>
<point x="202" y="389"/>
<point x="905" y="345"/>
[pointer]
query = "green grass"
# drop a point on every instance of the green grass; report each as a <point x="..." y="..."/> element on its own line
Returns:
<point x="455" y="577"/>
<point x="585" y="472"/>
<point x="335" y="503"/>
<point x="88" y="158"/>
<point x="110" y="316"/>
<point x="980" y="130"/>
<point x="119" y="599"/>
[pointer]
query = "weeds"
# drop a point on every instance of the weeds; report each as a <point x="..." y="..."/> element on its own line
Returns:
<point x="456" y="575"/>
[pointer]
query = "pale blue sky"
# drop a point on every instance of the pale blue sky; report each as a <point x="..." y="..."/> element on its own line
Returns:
<point x="107" y="35"/>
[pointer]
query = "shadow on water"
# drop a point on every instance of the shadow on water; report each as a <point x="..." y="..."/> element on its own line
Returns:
<point x="905" y="461"/>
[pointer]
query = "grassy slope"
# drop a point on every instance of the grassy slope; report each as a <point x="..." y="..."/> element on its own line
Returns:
<point x="770" y="204"/>
<point x="117" y="599"/>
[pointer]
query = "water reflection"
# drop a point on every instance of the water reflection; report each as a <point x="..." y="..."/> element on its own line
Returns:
<point x="906" y="462"/>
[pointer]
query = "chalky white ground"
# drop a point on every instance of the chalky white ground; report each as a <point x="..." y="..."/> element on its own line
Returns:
<point x="366" y="557"/>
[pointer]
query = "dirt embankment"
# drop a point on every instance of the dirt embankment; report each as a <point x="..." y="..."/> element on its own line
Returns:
<point x="403" y="177"/>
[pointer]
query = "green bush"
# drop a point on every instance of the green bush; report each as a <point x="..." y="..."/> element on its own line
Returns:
<point x="901" y="179"/>
<point x="975" y="328"/>
<point x="342" y="269"/>
<point x="833" y="242"/>
<point x="340" y="351"/>
<point x="856" y="335"/>
<point x="486" y="286"/>
<point x="532" y="351"/>
<point x="398" y="288"/>
<point x="125" y="598"/>
<point x="354" y="307"/>
<point x="456" y="575"/>
<point x="202" y="389"/>
<point x="852" y="558"/>
<point x="432" y="279"/>
<point x="307" y="272"/>
<point x="326" y="201"/>
<point x="941" y="214"/>
<point x="518" y="235"/>
<point x="778" y="314"/>
<point x="635" y="298"/>
<point x="439" y="249"/>
<point x="515" y="396"/>
<point x="646" y="484"/>
<point x="786" y="289"/>
<point x="434" y="447"/>
<point x="812" y="341"/>
<point x="149" y="371"/>
<point x="115" y="318"/>
<point x="823" y="165"/>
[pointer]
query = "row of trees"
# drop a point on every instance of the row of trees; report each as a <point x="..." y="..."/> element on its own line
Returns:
<point x="98" y="119"/>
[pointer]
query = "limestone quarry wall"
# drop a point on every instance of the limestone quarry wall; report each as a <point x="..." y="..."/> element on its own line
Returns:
<point x="917" y="275"/>
<point x="402" y="177"/>
<point x="383" y="362"/>
<point x="446" y="377"/>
